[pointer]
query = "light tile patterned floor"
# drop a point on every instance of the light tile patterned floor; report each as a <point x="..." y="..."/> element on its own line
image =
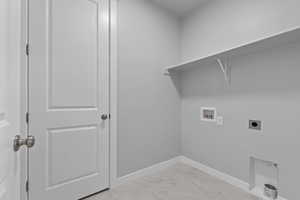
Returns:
<point x="179" y="182"/>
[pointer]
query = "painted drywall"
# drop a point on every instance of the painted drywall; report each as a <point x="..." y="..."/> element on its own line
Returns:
<point x="9" y="98"/>
<point x="219" y="25"/>
<point x="3" y="49"/>
<point x="265" y="86"/>
<point x="179" y="7"/>
<point x="149" y="106"/>
<point x="5" y="173"/>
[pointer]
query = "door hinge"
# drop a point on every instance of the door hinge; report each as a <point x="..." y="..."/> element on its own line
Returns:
<point x="27" y="49"/>
<point x="27" y="186"/>
<point x="27" y="118"/>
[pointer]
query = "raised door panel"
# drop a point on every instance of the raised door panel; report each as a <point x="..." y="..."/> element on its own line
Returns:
<point x="73" y="154"/>
<point x="73" y="53"/>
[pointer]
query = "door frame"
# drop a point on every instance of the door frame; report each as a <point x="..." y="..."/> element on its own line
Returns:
<point x="113" y="94"/>
<point x="23" y="95"/>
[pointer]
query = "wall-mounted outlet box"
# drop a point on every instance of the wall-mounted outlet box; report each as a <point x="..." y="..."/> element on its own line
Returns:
<point x="255" y="124"/>
<point x="263" y="172"/>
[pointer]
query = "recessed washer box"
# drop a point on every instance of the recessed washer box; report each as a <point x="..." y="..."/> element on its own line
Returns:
<point x="208" y="114"/>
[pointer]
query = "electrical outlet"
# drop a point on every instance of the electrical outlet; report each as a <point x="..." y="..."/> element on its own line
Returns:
<point x="255" y="124"/>
<point x="220" y="121"/>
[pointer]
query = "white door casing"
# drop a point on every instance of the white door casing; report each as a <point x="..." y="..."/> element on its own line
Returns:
<point x="9" y="98"/>
<point x="68" y="94"/>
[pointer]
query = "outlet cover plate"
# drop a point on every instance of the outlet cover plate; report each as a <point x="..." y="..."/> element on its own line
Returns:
<point x="255" y="124"/>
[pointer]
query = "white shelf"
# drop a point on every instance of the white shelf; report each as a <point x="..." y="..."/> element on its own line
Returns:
<point x="262" y="43"/>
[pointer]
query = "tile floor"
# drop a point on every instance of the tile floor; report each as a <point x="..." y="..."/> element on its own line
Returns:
<point x="179" y="182"/>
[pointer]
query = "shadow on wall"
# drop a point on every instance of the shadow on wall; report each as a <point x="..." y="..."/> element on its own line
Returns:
<point x="266" y="72"/>
<point x="175" y="79"/>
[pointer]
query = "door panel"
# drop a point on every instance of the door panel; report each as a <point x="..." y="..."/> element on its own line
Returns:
<point x="73" y="28"/>
<point x="65" y="166"/>
<point x="68" y="92"/>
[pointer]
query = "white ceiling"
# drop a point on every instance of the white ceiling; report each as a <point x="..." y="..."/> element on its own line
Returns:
<point x="179" y="7"/>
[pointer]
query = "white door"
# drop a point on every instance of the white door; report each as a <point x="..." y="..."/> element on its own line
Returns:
<point x="9" y="99"/>
<point x="68" y="97"/>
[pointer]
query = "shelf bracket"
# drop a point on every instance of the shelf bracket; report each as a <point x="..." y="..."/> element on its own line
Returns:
<point x="225" y="69"/>
<point x="167" y="73"/>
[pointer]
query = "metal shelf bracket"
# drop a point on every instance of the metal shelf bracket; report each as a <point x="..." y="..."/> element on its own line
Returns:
<point x="226" y="69"/>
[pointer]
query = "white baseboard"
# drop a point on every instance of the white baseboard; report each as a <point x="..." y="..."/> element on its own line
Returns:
<point x="225" y="177"/>
<point x="182" y="159"/>
<point x="213" y="172"/>
<point x="146" y="171"/>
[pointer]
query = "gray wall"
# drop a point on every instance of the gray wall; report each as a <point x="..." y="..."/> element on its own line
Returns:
<point x="219" y="24"/>
<point x="3" y="50"/>
<point x="149" y="106"/>
<point x="265" y="86"/>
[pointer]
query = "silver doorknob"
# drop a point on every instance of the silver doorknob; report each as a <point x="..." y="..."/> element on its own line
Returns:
<point x="104" y="117"/>
<point x="19" y="142"/>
